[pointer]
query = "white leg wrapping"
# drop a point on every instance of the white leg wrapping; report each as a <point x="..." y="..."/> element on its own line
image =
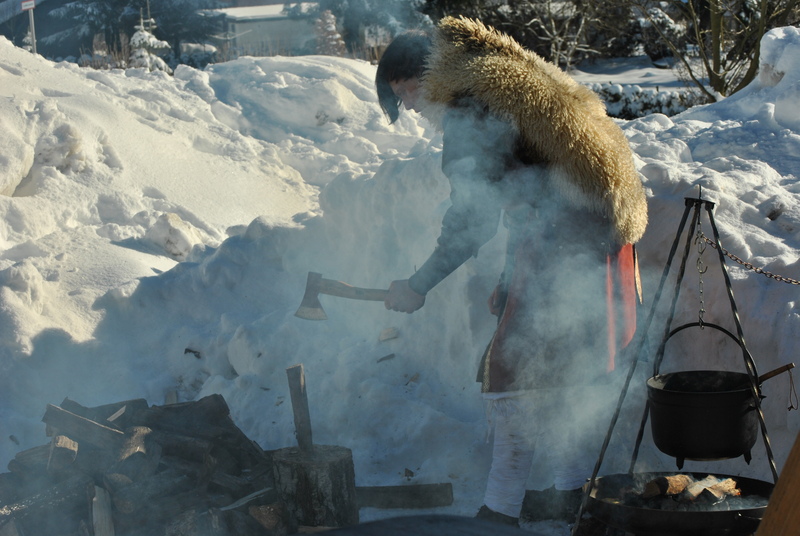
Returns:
<point x="511" y="461"/>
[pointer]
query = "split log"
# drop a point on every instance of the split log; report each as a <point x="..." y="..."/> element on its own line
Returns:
<point x="139" y="454"/>
<point x="190" y="448"/>
<point x="164" y="510"/>
<point x="302" y="417"/>
<point x="194" y="522"/>
<point x="710" y="489"/>
<point x="30" y="461"/>
<point x="243" y="524"/>
<point x="408" y="496"/>
<point x="119" y="415"/>
<point x="207" y="473"/>
<point x="318" y="488"/>
<point x="275" y="518"/>
<point x="63" y="452"/>
<point x="102" y="520"/>
<point x="10" y="487"/>
<point x="666" y="485"/>
<point x="30" y="466"/>
<point x="728" y="486"/>
<point x="697" y="487"/>
<point x="205" y="419"/>
<point x="258" y="478"/>
<point x="94" y="461"/>
<point x="209" y="411"/>
<point x="137" y="495"/>
<point x="82" y="429"/>
<point x="50" y="511"/>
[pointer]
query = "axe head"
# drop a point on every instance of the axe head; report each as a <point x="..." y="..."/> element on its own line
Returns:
<point x="310" y="308"/>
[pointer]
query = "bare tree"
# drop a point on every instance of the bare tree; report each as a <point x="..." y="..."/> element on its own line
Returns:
<point x="555" y="29"/>
<point x="724" y="37"/>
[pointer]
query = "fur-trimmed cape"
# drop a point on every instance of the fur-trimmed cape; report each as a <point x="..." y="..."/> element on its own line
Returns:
<point x="559" y="121"/>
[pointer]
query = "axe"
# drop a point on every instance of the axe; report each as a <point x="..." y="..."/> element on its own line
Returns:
<point x="311" y="309"/>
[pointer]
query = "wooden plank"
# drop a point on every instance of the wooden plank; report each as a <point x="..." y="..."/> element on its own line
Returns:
<point x="102" y="520"/>
<point x="302" y="417"/>
<point x="430" y="525"/>
<point x="82" y="429"/>
<point x="208" y="411"/>
<point x="782" y="517"/>
<point x="408" y="496"/>
<point x="116" y="415"/>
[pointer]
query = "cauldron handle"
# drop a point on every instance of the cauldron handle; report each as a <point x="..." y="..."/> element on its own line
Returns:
<point x="772" y="373"/>
<point x="660" y="353"/>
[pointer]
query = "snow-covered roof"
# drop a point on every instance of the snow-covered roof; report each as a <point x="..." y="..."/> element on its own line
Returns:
<point x="274" y="11"/>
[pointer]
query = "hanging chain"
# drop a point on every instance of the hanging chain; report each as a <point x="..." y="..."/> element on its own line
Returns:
<point x="746" y="264"/>
<point x="701" y="269"/>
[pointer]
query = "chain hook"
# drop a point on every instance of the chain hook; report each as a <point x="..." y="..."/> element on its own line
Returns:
<point x="793" y="402"/>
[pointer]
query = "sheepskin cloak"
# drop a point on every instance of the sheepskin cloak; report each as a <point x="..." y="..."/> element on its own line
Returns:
<point x="560" y="122"/>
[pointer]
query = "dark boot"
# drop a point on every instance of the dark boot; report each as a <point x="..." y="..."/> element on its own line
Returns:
<point x="551" y="504"/>
<point x="591" y="526"/>
<point x="490" y="515"/>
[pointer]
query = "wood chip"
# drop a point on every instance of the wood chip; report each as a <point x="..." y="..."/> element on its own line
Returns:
<point x="388" y="333"/>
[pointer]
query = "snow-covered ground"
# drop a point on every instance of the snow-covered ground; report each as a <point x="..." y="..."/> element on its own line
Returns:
<point x="157" y="231"/>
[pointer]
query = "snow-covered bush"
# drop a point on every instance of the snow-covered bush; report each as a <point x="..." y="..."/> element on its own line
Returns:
<point x="146" y="49"/>
<point x="195" y="55"/>
<point x="632" y="101"/>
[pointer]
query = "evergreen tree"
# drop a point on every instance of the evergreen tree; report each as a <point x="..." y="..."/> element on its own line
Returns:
<point x="356" y="17"/>
<point x="146" y="48"/>
<point x="178" y="20"/>
<point x="90" y="18"/>
<point x="329" y="40"/>
<point x="185" y="21"/>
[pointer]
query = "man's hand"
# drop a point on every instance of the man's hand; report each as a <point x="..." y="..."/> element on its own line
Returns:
<point x="402" y="299"/>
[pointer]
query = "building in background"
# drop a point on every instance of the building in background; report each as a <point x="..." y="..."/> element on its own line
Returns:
<point x="265" y="30"/>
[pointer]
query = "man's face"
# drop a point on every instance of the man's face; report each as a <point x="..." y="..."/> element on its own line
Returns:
<point x="408" y="91"/>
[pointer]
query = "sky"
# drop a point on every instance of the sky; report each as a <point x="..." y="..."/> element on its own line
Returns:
<point x="157" y="232"/>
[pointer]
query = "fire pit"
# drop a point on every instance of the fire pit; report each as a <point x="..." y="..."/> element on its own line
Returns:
<point x="616" y="500"/>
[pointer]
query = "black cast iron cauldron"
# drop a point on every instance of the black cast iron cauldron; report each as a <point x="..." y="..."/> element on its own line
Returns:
<point x="726" y="519"/>
<point x="704" y="414"/>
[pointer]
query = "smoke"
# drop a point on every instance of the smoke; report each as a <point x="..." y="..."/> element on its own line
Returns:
<point x="554" y="271"/>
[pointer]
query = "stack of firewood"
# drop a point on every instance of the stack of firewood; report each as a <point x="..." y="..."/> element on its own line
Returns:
<point x="130" y="469"/>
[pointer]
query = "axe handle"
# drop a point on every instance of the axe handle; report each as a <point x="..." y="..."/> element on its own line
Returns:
<point x="343" y="290"/>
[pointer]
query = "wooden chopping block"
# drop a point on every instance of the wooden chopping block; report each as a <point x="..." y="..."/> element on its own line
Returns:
<point x="317" y="483"/>
<point x="782" y="517"/>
